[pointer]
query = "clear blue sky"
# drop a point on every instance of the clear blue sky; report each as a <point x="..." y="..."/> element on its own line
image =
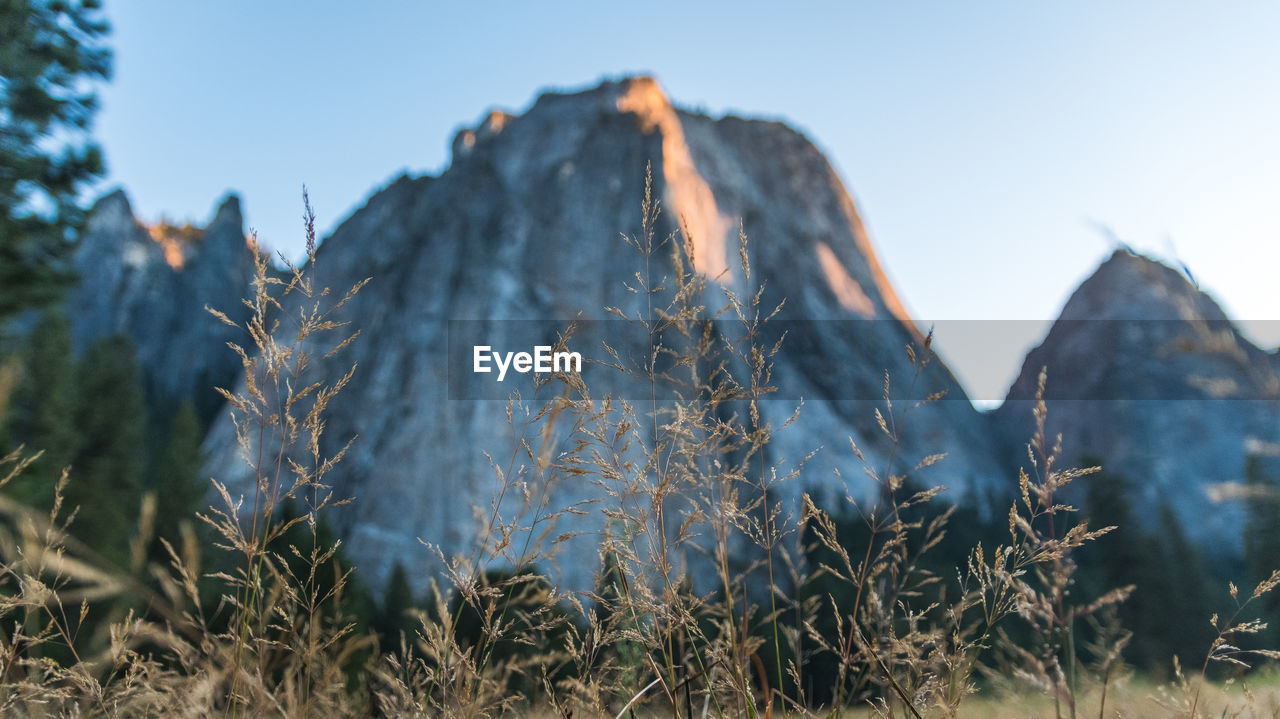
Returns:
<point x="980" y="140"/>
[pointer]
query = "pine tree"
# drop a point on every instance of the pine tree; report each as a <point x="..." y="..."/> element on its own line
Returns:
<point x="44" y="410"/>
<point x="1262" y="534"/>
<point x="1169" y="603"/>
<point x="1116" y="555"/>
<point x="107" y="484"/>
<point x="393" y="616"/>
<point x="1185" y="600"/>
<point x="50" y="55"/>
<point x="175" y="474"/>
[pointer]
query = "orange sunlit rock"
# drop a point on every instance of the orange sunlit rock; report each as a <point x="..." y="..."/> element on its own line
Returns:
<point x="174" y="240"/>
<point x="846" y="289"/>
<point x="687" y="193"/>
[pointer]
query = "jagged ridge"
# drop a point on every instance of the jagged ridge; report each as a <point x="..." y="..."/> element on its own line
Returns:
<point x="152" y="285"/>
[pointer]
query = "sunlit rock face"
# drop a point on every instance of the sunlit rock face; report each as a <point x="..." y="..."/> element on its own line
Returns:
<point x="525" y="225"/>
<point x="151" y="283"/>
<point x="1148" y="377"/>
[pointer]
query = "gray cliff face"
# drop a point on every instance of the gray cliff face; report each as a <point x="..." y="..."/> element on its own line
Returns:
<point x="152" y="284"/>
<point x="524" y="225"/>
<point x="1148" y="377"/>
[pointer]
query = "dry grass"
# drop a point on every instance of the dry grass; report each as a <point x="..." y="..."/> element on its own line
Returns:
<point x="704" y="604"/>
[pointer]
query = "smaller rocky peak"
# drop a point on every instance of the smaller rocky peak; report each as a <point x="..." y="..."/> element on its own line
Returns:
<point x="224" y="240"/>
<point x="228" y="212"/>
<point x="1139" y="329"/>
<point x="1124" y="266"/>
<point x="228" y="221"/>
<point x="111" y="214"/>
<point x="113" y="204"/>
<point x="1133" y="286"/>
<point x="113" y="237"/>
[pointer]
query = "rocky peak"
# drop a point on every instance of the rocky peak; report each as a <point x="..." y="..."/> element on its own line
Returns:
<point x="111" y="211"/>
<point x="1131" y="286"/>
<point x="113" y="232"/>
<point x="1147" y="376"/>
<point x="228" y="215"/>
<point x="524" y="225"/>
<point x="223" y="244"/>
<point x="152" y="282"/>
<point x="1137" y="328"/>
